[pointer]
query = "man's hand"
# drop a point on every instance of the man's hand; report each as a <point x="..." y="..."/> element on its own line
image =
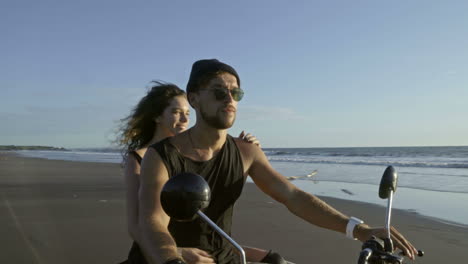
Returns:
<point x="249" y="138"/>
<point x="195" y="256"/>
<point x="363" y="232"/>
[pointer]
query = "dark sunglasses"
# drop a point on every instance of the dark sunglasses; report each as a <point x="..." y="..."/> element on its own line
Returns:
<point x="223" y="94"/>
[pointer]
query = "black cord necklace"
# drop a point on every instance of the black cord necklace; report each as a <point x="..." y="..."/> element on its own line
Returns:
<point x="194" y="149"/>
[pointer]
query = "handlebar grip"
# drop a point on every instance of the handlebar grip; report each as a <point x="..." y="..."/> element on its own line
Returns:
<point x="364" y="256"/>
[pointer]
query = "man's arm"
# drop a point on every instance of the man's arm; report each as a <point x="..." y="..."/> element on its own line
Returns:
<point x="155" y="240"/>
<point x="300" y="203"/>
<point x="305" y="205"/>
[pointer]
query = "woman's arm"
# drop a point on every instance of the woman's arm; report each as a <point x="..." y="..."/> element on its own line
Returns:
<point x="132" y="183"/>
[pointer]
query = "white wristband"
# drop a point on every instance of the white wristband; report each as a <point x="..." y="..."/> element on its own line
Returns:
<point x="352" y="223"/>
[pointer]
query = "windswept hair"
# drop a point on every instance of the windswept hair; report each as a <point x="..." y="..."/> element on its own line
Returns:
<point x="138" y="128"/>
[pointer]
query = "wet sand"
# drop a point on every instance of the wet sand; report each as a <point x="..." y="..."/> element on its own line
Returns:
<point x="74" y="212"/>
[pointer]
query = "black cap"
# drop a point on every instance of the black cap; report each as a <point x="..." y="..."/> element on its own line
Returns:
<point x="203" y="67"/>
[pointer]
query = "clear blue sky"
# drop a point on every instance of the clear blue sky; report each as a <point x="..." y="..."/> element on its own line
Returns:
<point x="316" y="73"/>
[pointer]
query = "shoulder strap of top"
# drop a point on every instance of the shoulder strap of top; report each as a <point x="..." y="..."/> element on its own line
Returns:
<point x="168" y="154"/>
<point x="137" y="157"/>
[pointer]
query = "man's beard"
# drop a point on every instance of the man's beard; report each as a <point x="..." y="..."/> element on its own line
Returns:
<point x="216" y="121"/>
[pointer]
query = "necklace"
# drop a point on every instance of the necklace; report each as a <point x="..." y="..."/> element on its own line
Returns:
<point x="193" y="145"/>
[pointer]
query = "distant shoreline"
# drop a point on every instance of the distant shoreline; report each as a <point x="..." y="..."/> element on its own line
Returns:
<point x="14" y="147"/>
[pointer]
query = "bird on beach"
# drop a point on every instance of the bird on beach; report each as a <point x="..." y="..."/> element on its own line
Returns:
<point x="292" y="178"/>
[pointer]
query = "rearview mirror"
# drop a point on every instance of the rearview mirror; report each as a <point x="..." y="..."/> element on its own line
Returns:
<point x="184" y="195"/>
<point x="388" y="183"/>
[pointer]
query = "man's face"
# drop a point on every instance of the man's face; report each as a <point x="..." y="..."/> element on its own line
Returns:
<point x="218" y="112"/>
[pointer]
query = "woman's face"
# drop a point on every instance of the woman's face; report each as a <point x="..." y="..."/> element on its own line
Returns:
<point x="175" y="117"/>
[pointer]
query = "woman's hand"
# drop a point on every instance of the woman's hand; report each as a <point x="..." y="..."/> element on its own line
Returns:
<point x="249" y="138"/>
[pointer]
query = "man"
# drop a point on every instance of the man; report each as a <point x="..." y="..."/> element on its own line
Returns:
<point x="213" y="91"/>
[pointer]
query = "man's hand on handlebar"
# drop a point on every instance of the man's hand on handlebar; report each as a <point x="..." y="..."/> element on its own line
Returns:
<point x="363" y="232"/>
<point x="195" y="256"/>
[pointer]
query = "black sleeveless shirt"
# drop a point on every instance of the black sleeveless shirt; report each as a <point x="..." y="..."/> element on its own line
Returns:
<point x="225" y="176"/>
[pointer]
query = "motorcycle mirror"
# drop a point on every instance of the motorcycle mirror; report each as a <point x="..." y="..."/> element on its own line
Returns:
<point x="184" y="195"/>
<point x="388" y="183"/>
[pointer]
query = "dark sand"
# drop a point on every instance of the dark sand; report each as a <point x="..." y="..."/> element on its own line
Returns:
<point x="74" y="212"/>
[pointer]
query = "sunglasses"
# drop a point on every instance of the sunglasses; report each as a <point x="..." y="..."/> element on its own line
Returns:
<point x="223" y="94"/>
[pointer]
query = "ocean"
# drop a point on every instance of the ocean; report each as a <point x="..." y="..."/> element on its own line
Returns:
<point x="432" y="181"/>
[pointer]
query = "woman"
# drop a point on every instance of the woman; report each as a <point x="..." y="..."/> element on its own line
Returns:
<point x="163" y="112"/>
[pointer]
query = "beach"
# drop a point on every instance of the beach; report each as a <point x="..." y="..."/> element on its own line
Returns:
<point x="74" y="212"/>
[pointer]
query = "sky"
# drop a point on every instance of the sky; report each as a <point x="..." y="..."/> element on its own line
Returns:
<point x="315" y="73"/>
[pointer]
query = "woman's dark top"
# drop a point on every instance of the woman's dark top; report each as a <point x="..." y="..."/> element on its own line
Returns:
<point x="225" y="176"/>
<point x="136" y="156"/>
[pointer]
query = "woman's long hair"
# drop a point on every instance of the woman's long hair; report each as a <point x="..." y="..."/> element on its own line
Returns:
<point x="139" y="127"/>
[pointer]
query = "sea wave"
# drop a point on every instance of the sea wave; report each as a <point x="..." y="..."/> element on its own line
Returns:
<point x="435" y="174"/>
<point x="400" y="185"/>
<point x="383" y="152"/>
<point x="276" y="153"/>
<point x="417" y="164"/>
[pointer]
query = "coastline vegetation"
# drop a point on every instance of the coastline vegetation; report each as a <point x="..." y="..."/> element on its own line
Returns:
<point x="14" y="147"/>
